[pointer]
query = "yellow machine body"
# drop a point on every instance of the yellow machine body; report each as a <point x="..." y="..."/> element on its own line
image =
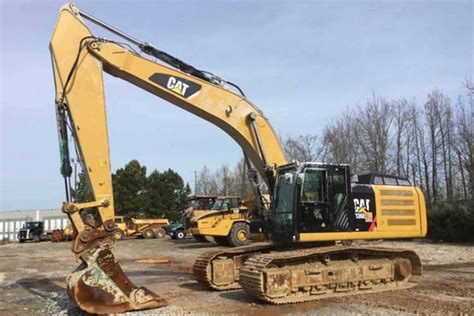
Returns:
<point x="400" y="212"/>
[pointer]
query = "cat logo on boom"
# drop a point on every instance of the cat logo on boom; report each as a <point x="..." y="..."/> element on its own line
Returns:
<point x="182" y="87"/>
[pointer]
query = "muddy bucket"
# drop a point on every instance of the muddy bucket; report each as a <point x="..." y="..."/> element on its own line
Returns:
<point x="99" y="286"/>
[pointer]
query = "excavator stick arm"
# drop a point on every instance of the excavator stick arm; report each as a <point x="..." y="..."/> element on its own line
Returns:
<point x="79" y="90"/>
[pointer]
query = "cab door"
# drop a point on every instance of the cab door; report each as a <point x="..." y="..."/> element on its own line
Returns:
<point x="322" y="206"/>
<point x="283" y="208"/>
<point x="313" y="207"/>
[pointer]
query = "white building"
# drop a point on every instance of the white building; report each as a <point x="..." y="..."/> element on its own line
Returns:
<point x="12" y="221"/>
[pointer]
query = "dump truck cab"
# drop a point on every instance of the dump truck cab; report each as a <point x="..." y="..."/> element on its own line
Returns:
<point x="120" y="222"/>
<point x="197" y="205"/>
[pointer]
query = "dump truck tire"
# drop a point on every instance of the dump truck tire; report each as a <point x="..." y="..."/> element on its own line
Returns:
<point x="118" y="234"/>
<point x="179" y="234"/>
<point x="239" y="235"/>
<point x="148" y="233"/>
<point x="160" y="233"/>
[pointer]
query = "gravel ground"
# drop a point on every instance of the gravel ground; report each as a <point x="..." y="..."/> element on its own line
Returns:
<point x="32" y="282"/>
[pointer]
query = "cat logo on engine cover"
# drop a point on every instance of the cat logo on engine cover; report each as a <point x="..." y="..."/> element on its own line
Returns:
<point x="180" y="86"/>
<point x="362" y="210"/>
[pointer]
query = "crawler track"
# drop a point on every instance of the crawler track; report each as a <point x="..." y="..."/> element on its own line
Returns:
<point x="220" y="269"/>
<point x="317" y="273"/>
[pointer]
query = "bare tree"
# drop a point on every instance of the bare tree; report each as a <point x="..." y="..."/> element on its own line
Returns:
<point x="432" y="109"/>
<point x="224" y="180"/>
<point x="464" y="143"/>
<point x="303" y="148"/>
<point x="402" y="138"/>
<point x="339" y="142"/>
<point x="242" y="185"/>
<point x="204" y="183"/>
<point x="374" y="122"/>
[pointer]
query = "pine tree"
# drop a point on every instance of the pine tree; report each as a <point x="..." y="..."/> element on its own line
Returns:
<point x="129" y="189"/>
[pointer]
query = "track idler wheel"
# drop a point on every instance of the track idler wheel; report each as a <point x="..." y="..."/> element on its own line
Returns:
<point x="99" y="286"/>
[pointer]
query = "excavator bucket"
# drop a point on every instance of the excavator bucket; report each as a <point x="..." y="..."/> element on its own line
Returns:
<point x="99" y="286"/>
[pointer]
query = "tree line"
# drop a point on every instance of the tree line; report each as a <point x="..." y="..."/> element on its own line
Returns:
<point x="429" y="142"/>
<point x="136" y="194"/>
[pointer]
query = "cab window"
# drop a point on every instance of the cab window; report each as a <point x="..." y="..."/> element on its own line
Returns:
<point x="313" y="186"/>
<point x="390" y="181"/>
<point x="234" y="203"/>
<point x="339" y="187"/>
<point x="378" y="180"/>
<point x="403" y="182"/>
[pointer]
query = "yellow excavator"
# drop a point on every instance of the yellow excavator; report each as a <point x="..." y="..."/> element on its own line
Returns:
<point x="312" y="204"/>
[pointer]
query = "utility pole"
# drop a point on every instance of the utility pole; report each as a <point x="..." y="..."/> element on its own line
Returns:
<point x="195" y="182"/>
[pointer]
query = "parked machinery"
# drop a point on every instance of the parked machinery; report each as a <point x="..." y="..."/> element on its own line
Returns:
<point x="33" y="231"/>
<point x="228" y="222"/>
<point x="198" y="205"/>
<point x="144" y="228"/>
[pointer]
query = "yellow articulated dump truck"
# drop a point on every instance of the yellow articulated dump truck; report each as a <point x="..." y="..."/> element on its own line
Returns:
<point x="145" y="228"/>
<point x="198" y="205"/>
<point x="228" y="222"/>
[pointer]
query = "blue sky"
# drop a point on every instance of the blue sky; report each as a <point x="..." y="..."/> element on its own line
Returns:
<point x="301" y="62"/>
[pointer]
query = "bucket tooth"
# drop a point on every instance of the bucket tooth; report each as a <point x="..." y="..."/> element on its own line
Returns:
<point x="99" y="286"/>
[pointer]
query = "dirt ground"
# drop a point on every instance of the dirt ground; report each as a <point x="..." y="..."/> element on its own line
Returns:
<point x="32" y="282"/>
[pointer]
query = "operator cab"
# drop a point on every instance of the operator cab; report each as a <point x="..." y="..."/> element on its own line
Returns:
<point x="320" y="198"/>
<point x="310" y="197"/>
